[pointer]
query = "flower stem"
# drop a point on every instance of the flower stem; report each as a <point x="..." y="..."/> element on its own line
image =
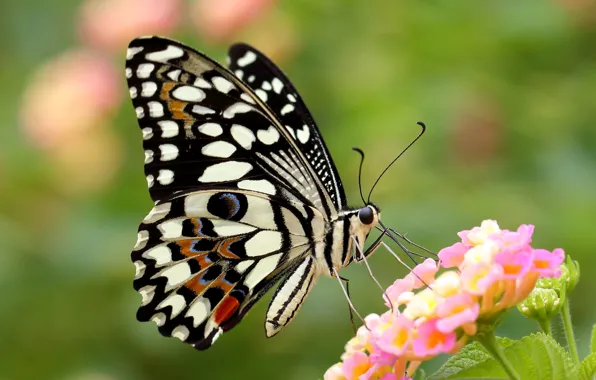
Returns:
<point x="568" y="327"/>
<point x="489" y="341"/>
<point x="546" y="327"/>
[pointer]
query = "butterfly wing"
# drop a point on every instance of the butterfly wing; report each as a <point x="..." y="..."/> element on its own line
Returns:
<point x="238" y="205"/>
<point x="203" y="259"/>
<point x="275" y="89"/>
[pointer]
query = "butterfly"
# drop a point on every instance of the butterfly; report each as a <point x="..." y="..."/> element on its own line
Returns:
<point x="246" y="193"/>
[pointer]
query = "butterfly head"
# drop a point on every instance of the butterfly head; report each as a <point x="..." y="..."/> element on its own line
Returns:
<point x="362" y="221"/>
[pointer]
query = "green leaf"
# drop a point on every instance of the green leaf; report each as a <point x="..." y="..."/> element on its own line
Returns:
<point x="593" y="341"/>
<point x="420" y="375"/>
<point x="587" y="370"/>
<point x="537" y="357"/>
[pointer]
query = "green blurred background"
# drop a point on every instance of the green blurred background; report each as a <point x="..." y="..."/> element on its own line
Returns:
<point x="506" y="88"/>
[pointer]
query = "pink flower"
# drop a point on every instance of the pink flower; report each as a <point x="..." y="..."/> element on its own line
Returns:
<point x="477" y="278"/>
<point x="519" y="240"/>
<point x="423" y="274"/>
<point x="457" y="311"/>
<point x="479" y="235"/>
<point x="69" y="95"/>
<point x="335" y="373"/>
<point x="356" y="365"/>
<point x="395" y="290"/>
<point x="515" y="264"/>
<point x="219" y="20"/>
<point x="431" y="341"/>
<point x="452" y="256"/>
<point x="547" y="263"/>
<point x="395" y="338"/>
<point x="111" y="24"/>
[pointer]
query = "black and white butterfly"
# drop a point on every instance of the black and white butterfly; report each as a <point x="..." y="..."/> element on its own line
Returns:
<point x="246" y="194"/>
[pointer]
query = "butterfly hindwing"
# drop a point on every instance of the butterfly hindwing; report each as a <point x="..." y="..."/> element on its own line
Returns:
<point x="275" y="89"/>
<point x="199" y="272"/>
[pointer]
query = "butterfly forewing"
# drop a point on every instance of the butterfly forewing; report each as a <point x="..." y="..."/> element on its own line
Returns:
<point x="273" y="87"/>
<point x="203" y="128"/>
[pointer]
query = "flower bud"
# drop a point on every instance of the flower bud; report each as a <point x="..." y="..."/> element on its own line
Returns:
<point x="570" y="273"/>
<point x="545" y="301"/>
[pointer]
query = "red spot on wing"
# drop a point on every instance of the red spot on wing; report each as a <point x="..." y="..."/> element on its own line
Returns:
<point x="226" y="309"/>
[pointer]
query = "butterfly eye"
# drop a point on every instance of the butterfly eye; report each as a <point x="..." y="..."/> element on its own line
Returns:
<point x="366" y="215"/>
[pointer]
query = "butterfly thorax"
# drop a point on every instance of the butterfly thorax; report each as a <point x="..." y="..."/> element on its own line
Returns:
<point x="344" y="239"/>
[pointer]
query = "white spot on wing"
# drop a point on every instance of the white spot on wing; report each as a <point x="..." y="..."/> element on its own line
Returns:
<point x="199" y="310"/>
<point x="247" y="98"/>
<point x="148" y="89"/>
<point x="169" y="128"/>
<point x="239" y="73"/>
<point x="303" y="134"/>
<point x="171" y="229"/>
<point x="181" y="332"/>
<point x="243" y="136"/>
<point x="165" y="177"/>
<point x="230" y="228"/>
<point x="277" y="85"/>
<point x="142" y="237"/>
<point x="291" y="98"/>
<point x="262" y="243"/>
<point x="174" y="74"/>
<point x="222" y="84"/>
<point x="139" y="269"/>
<point x="171" y="52"/>
<point x="147" y="293"/>
<point x="200" y="82"/>
<point x="269" y="136"/>
<point x="130" y="52"/>
<point x="159" y="319"/>
<point x="261" y="185"/>
<point x="262" y="270"/>
<point x="211" y="129"/>
<point x="176" y="274"/>
<point x="243" y="266"/>
<point x="148" y="156"/>
<point x="161" y="254"/>
<point x="176" y="301"/>
<point x="188" y="94"/>
<point x="155" y="109"/>
<point x="140" y="112"/>
<point x="225" y="171"/>
<point x="261" y="94"/>
<point x="251" y="79"/>
<point x="221" y="149"/>
<point x="287" y="109"/>
<point x="202" y="110"/>
<point x="147" y="133"/>
<point x="133" y="92"/>
<point x="144" y="70"/>
<point x="247" y="59"/>
<point x="235" y="108"/>
<point x="150" y="180"/>
<point x="157" y="213"/>
<point x="169" y="152"/>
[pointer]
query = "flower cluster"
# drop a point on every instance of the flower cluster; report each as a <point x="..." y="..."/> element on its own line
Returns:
<point x="434" y="311"/>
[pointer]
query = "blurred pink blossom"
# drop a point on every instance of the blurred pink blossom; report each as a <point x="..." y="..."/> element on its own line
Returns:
<point x="70" y="94"/>
<point x="219" y="20"/>
<point x="111" y="24"/>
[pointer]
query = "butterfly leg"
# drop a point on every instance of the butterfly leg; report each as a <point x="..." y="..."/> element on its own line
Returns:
<point x="347" y="281"/>
<point x="370" y="273"/>
<point x="347" y="295"/>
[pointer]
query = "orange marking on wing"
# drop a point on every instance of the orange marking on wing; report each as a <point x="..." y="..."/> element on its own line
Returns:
<point x="223" y="285"/>
<point x="226" y="309"/>
<point x="176" y="107"/>
<point x="186" y="248"/>
<point x="224" y="248"/>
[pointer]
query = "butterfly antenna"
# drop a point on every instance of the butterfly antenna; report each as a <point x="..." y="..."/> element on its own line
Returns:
<point x="423" y="126"/>
<point x="360" y="172"/>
